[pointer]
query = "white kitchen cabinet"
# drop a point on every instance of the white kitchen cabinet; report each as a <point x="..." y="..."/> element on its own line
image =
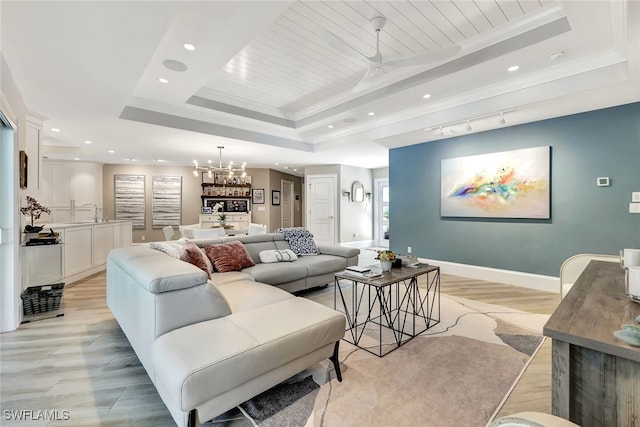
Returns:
<point x="239" y="220"/>
<point x="103" y="241"/>
<point x="78" y="249"/>
<point x="70" y="189"/>
<point x="41" y="265"/>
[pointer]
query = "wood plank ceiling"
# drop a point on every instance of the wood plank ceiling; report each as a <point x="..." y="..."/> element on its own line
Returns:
<point x="290" y="68"/>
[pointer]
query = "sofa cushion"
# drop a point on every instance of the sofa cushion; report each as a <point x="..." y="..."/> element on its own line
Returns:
<point x="322" y="264"/>
<point x="193" y="254"/>
<point x="242" y="295"/>
<point x="300" y="239"/>
<point x="230" y="256"/>
<point x="277" y="255"/>
<point x="276" y="274"/>
<point x="192" y="370"/>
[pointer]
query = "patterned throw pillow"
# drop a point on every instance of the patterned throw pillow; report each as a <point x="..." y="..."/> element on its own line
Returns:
<point x="193" y="254"/>
<point x="231" y="256"/>
<point x="300" y="239"/>
<point x="277" y="255"/>
<point x="170" y="248"/>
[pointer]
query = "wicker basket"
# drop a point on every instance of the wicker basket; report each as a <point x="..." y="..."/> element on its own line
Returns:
<point x="40" y="299"/>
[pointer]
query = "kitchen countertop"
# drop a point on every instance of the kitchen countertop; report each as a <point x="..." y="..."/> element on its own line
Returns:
<point x="59" y="225"/>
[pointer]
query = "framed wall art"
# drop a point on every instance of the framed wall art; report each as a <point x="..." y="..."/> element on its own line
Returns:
<point x="129" y="199"/>
<point x="275" y="197"/>
<point x="24" y="168"/>
<point x="166" y="203"/>
<point x="257" y="196"/>
<point x="508" y="184"/>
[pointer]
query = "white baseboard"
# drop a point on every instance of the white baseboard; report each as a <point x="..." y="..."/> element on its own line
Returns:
<point x="516" y="278"/>
<point x="360" y="244"/>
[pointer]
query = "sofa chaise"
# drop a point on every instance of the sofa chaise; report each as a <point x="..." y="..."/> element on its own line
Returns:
<point x="211" y="342"/>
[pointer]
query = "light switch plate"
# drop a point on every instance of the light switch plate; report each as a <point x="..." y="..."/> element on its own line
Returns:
<point x="603" y="181"/>
<point x="635" y="196"/>
<point x="634" y="208"/>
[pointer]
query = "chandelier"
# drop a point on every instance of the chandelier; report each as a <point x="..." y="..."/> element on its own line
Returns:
<point x="230" y="170"/>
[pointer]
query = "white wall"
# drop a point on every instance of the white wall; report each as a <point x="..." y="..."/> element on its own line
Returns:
<point x="13" y="109"/>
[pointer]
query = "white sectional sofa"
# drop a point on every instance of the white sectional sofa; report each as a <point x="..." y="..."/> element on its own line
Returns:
<point x="211" y="343"/>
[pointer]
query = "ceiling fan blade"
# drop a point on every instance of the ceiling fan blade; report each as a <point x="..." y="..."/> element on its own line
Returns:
<point x="423" y="58"/>
<point x="342" y="46"/>
<point x="374" y="71"/>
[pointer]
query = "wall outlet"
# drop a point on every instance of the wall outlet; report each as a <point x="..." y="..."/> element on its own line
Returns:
<point x="142" y="238"/>
<point x="408" y="249"/>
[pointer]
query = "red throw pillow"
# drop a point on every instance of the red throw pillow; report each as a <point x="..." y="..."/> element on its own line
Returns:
<point x="192" y="254"/>
<point x="231" y="256"/>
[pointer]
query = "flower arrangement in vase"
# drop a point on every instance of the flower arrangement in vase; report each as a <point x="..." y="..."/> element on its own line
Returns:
<point x="386" y="258"/>
<point x="33" y="209"/>
<point x="222" y="219"/>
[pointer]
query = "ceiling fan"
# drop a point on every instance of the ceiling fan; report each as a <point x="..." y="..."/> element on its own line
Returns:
<point x="377" y="62"/>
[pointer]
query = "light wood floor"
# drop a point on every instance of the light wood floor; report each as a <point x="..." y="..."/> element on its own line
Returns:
<point x="82" y="362"/>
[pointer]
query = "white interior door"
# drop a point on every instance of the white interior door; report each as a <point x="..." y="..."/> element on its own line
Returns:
<point x="286" y="202"/>
<point x="321" y="208"/>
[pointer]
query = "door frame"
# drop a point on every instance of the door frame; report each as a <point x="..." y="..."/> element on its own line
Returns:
<point x="10" y="283"/>
<point x="292" y="198"/>
<point x="377" y="211"/>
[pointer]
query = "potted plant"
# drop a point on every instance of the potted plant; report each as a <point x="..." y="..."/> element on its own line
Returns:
<point x="222" y="219"/>
<point x="386" y="258"/>
<point x="33" y="209"/>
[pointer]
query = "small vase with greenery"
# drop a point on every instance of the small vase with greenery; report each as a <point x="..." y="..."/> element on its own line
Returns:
<point x="33" y="209"/>
<point x="222" y="219"/>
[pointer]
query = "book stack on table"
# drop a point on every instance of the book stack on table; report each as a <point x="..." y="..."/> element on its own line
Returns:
<point x="365" y="272"/>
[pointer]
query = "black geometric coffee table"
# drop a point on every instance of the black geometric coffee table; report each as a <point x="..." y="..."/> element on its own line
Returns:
<point x="388" y="311"/>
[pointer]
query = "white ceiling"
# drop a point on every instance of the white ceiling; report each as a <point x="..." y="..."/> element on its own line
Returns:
<point x="265" y="83"/>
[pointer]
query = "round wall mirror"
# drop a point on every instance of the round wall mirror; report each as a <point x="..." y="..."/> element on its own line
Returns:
<point x="357" y="192"/>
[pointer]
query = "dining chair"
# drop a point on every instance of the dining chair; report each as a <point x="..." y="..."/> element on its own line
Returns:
<point x="168" y="232"/>
<point x="573" y="267"/>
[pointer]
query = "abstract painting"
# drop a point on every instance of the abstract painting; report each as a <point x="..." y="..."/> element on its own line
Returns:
<point x="129" y="199"/>
<point x="508" y="184"/>
<point x="166" y="201"/>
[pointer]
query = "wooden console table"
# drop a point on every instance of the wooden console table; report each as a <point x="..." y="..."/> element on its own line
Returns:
<point x="595" y="376"/>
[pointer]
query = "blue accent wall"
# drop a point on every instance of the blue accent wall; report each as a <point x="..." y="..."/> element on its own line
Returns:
<point x="585" y="218"/>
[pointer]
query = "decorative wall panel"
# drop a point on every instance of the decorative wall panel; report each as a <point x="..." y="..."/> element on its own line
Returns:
<point x="130" y="199"/>
<point x="167" y="201"/>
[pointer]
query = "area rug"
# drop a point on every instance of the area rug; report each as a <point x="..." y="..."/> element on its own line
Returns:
<point x="457" y="373"/>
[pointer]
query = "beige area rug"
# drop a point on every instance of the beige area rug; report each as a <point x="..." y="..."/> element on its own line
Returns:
<point x="457" y="373"/>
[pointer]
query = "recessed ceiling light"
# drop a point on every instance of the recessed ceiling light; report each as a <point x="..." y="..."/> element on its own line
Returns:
<point x="189" y="46"/>
<point x="110" y="151"/>
<point x="163" y="80"/>
<point x="330" y="126"/>
<point x="426" y="96"/>
<point x="55" y="130"/>
<point x="88" y="142"/>
<point x="286" y="167"/>
<point x="76" y="158"/>
<point x="295" y="170"/>
<point x="159" y="160"/>
<point x="513" y="68"/>
<point x="277" y="164"/>
<point x="371" y="113"/>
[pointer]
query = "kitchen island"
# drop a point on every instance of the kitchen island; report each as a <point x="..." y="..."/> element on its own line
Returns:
<point x="83" y="251"/>
<point x="595" y="376"/>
